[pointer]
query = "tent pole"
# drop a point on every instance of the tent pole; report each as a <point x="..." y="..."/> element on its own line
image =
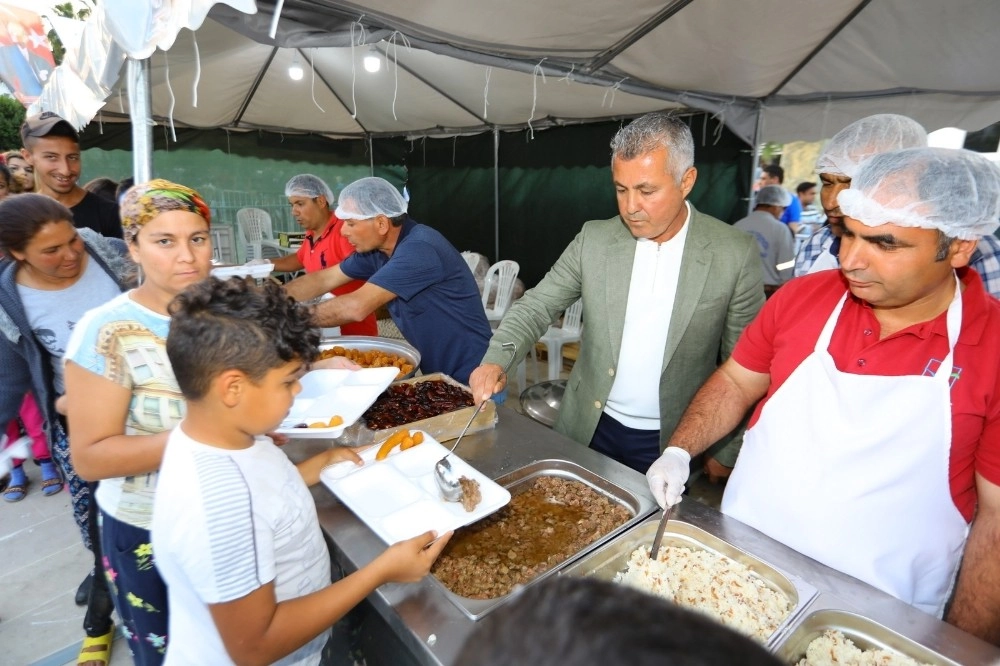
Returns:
<point x="496" y="194"/>
<point x="371" y="156"/>
<point x="141" y="117"/>
<point x="758" y="129"/>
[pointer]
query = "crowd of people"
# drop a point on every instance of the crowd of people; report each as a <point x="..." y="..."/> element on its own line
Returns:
<point x="147" y="388"/>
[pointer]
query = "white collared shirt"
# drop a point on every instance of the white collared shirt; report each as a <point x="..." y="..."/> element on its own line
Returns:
<point x="634" y="400"/>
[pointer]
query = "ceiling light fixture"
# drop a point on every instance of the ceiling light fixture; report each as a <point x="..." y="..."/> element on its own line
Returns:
<point x="295" y="72"/>
<point x="372" y="60"/>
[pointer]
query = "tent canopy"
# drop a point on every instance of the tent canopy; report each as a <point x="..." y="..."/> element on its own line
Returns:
<point x="770" y="69"/>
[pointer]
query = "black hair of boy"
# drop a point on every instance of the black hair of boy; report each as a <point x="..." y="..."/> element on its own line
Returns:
<point x="589" y="622"/>
<point x="218" y="325"/>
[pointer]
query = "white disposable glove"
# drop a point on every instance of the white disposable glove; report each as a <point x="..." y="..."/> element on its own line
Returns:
<point x="668" y="475"/>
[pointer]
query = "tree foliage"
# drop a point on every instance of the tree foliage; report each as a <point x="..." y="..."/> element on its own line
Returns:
<point x="11" y="117"/>
<point x="64" y="10"/>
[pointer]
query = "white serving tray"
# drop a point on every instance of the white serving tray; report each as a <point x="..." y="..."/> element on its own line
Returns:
<point x="398" y="497"/>
<point x="256" y="271"/>
<point x="328" y="393"/>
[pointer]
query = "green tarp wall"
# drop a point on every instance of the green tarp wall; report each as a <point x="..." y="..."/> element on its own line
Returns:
<point x="549" y="184"/>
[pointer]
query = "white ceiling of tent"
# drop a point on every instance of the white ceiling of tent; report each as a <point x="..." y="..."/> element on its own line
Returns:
<point x="810" y="66"/>
<point x="416" y="91"/>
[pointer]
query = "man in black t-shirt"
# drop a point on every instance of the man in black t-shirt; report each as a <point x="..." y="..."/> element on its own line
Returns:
<point x="52" y="147"/>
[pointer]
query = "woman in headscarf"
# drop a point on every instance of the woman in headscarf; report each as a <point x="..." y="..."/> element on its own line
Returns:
<point x="123" y="399"/>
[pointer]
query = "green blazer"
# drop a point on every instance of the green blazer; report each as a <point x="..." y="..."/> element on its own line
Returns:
<point x="719" y="292"/>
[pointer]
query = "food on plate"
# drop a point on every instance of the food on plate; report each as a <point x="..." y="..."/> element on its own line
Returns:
<point x="406" y="403"/>
<point x="471" y="495"/>
<point x="544" y="524"/>
<point x="395" y="439"/>
<point x="334" y="422"/>
<point x="833" y="649"/>
<point x="374" y="358"/>
<point x="411" y="441"/>
<point x="713" y="584"/>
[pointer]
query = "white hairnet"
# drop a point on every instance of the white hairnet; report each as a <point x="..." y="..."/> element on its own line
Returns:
<point x="366" y="198"/>
<point x="773" y="195"/>
<point x="308" y="185"/>
<point x="880" y="133"/>
<point x="954" y="191"/>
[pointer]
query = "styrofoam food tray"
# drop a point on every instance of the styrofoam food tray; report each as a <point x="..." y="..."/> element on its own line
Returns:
<point x="328" y="393"/>
<point x="398" y="497"/>
<point x="256" y="271"/>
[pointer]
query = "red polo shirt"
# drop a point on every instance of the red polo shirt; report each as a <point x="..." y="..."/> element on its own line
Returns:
<point x="786" y="329"/>
<point x="329" y="249"/>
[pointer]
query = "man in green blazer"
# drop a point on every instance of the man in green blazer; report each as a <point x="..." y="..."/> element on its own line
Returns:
<point x="666" y="293"/>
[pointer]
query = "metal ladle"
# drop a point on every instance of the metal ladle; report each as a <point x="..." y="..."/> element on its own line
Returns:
<point x="447" y="480"/>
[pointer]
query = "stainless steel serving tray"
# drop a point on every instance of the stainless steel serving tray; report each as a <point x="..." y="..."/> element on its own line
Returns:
<point x="638" y="506"/>
<point x="613" y="557"/>
<point x="864" y="633"/>
<point x="366" y="343"/>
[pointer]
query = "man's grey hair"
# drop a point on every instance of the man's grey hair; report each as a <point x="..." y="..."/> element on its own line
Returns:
<point x="655" y="130"/>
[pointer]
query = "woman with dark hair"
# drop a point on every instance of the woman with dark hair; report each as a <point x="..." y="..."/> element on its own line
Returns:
<point x="52" y="274"/>
<point x="22" y="174"/>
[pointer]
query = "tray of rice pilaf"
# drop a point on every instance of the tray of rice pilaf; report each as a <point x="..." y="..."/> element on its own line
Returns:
<point x="698" y="570"/>
<point x="833" y="637"/>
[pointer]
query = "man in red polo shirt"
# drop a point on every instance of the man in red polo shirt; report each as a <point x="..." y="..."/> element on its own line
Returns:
<point x="876" y="447"/>
<point x="324" y="246"/>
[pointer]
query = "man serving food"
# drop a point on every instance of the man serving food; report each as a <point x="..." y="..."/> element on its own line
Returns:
<point x="412" y="270"/>
<point x="881" y="396"/>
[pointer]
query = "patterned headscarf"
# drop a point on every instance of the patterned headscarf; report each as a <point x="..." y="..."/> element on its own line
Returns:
<point x="142" y="202"/>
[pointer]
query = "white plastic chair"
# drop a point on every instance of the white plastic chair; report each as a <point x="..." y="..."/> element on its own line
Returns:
<point x="500" y="282"/>
<point x="258" y="241"/>
<point x="557" y="336"/>
<point x="472" y="259"/>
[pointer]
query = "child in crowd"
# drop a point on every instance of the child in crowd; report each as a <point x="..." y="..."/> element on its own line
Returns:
<point x="234" y="526"/>
<point x="30" y="418"/>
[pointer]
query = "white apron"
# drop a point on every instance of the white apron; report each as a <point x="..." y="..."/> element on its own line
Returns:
<point x="852" y="470"/>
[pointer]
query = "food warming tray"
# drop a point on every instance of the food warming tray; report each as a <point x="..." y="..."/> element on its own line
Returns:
<point x="366" y="343"/>
<point x="639" y="507"/>
<point x="613" y="557"/>
<point x="864" y="633"/>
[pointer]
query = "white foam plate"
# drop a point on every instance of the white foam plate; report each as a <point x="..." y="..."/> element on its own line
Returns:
<point x="329" y="393"/>
<point x="256" y="271"/>
<point x="398" y="497"/>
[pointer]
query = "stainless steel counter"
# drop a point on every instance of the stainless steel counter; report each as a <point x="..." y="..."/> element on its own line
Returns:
<point x="419" y="612"/>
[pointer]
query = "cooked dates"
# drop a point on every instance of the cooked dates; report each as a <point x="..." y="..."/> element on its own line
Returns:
<point x="406" y="403"/>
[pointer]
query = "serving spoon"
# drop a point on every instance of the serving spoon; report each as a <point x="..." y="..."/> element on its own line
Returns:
<point x="447" y="480"/>
<point x="659" y="532"/>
